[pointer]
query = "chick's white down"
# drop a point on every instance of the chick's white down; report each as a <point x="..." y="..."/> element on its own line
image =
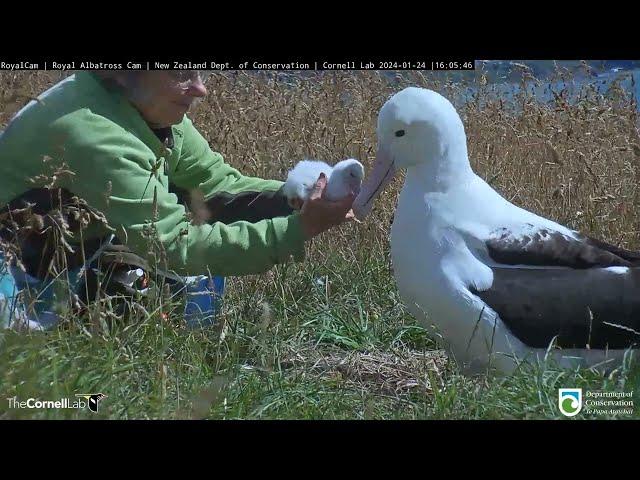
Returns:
<point x="343" y="178"/>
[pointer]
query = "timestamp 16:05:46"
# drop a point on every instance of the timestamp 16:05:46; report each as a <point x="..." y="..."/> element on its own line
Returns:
<point x="426" y="65"/>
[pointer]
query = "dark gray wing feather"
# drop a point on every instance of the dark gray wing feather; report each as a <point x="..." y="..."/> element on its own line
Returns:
<point x="546" y="247"/>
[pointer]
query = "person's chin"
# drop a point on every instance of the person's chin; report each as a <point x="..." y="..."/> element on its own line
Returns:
<point x="181" y="112"/>
<point x="178" y="116"/>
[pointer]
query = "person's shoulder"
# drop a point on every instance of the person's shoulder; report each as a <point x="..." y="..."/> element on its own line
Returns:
<point x="43" y="109"/>
<point x="49" y="123"/>
<point x="97" y="120"/>
<point x="71" y="105"/>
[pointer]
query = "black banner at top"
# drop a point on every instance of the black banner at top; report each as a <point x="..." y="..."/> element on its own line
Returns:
<point x="234" y="62"/>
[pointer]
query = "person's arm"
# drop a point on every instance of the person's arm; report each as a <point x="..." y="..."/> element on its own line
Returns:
<point x="227" y="195"/>
<point x="99" y="152"/>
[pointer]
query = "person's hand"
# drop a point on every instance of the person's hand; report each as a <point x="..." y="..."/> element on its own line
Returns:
<point x="319" y="214"/>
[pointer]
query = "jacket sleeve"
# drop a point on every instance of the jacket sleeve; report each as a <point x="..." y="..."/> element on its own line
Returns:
<point x="228" y="196"/>
<point x="114" y="171"/>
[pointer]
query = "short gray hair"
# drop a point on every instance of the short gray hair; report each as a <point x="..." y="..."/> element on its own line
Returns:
<point x="126" y="82"/>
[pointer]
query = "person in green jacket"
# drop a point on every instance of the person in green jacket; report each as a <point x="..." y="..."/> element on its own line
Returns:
<point x="121" y="141"/>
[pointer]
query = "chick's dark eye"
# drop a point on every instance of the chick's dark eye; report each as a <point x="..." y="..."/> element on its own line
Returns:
<point x="399" y="133"/>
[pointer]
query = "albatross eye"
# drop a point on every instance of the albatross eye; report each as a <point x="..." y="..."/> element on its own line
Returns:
<point x="399" y="133"/>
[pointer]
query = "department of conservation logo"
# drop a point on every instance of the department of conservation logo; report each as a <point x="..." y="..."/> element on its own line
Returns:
<point x="570" y="401"/>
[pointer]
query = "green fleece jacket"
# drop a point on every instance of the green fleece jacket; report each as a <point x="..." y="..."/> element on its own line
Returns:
<point x="119" y="164"/>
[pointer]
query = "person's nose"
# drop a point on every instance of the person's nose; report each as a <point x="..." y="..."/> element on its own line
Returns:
<point x="197" y="88"/>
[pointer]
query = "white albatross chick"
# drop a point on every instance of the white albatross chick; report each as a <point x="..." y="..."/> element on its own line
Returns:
<point x="499" y="284"/>
<point x="343" y="178"/>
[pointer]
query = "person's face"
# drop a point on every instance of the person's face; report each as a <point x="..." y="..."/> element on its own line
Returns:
<point x="168" y="95"/>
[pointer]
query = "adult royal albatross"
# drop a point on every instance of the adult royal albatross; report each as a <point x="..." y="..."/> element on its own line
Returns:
<point x="499" y="283"/>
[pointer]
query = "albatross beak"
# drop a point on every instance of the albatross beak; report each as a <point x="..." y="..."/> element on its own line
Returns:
<point x="382" y="174"/>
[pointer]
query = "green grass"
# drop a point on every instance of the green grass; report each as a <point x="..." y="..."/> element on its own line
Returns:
<point x="265" y="364"/>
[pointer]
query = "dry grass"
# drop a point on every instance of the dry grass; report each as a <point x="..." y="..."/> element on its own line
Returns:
<point x="383" y="372"/>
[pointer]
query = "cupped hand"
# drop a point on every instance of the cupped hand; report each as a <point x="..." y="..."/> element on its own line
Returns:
<point x="319" y="214"/>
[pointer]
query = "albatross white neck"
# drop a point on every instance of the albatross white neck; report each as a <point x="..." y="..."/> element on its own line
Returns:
<point x="443" y="171"/>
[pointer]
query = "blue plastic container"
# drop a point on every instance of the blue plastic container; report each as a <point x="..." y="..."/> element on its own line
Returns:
<point x="203" y="300"/>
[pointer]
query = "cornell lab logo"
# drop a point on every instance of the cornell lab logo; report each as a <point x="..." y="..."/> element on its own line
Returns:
<point x="570" y="401"/>
<point x="93" y="398"/>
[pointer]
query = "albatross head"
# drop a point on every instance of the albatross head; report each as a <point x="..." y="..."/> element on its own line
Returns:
<point x="416" y="127"/>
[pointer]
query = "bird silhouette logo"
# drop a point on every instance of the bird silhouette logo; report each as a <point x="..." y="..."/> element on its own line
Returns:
<point x="93" y="398"/>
